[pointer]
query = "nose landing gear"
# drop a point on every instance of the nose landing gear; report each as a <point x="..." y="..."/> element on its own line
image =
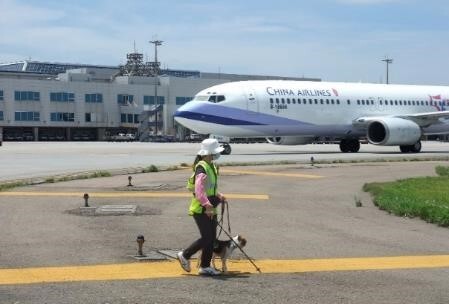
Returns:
<point x="227" y="149"/>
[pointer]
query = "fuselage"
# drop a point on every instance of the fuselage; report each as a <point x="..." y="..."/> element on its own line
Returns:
<point x="299" y="108"/>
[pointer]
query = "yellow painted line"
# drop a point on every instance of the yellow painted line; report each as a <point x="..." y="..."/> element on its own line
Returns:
<point x="128" y="194"/>
<point x="171" y="269"/>
<point x="271" y="173"/>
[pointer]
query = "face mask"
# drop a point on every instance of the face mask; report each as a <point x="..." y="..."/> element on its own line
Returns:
<point x="216" y="156"/>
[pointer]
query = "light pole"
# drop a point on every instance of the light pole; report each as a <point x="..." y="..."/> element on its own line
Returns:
<point x="156" y="76"/>
<point x="387" y="61"/>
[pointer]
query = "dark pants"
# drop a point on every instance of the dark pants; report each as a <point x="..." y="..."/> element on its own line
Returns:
<point x="208" y="231"/>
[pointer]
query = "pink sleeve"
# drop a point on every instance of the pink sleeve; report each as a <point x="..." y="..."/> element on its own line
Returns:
<point x="200" y="191"/>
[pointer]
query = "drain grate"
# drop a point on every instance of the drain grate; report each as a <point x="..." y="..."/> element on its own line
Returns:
<point x="116" y="210"/>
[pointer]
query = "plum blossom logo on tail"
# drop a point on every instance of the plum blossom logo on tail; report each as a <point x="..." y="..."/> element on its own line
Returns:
<point x="335" y="92"/>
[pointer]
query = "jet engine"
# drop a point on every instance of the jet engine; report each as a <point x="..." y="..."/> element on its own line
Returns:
<point x="289" y="140"/>
<point x="393" y="131"/>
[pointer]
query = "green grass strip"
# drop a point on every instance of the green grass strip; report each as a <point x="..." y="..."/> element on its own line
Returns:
<point x="424" y="197"/>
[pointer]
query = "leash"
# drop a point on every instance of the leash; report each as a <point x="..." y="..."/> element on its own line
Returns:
<point x="222" y="218"/>
<point x="241" y="249"/>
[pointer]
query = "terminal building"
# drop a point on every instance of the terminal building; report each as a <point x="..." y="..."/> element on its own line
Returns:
<point x="54" y="101"/>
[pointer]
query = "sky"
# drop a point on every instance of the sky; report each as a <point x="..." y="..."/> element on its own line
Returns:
<point x="335" y="40"/>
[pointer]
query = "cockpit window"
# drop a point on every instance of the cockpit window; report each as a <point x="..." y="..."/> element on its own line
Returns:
<point x="210" y="98"/>
<point x="216" y="98"/>
<point x="202" y="98"/>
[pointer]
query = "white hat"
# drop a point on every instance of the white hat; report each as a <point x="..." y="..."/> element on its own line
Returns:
<point x="210" y="146"/>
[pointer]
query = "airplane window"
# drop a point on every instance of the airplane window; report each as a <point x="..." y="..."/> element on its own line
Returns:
<point x="338" y="101"/>
<point x="358" y="102"/>
<point x="282" y="100"/>
<point x="363" y="102"/>
<point x="220" y="98"/>
<point x="271" y="100"/>
<point x="288" y="100"/>
<point x="391" y="102"/>
<point x="332" y="101"/>
<point x="321" y="101"/>
<point x="294" y="101"/>
<point x="310" y="101"/>
<point x="316" y="101"/>
<point x="304" y="101"/>
<point x="380" y="102"/>
<point x="327" y="101"/>
<point x="349" y="102"/>
<point x="395" y="102"/>
<point x="277" y="100"/>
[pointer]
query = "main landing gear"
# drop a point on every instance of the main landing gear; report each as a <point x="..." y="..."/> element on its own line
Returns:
<point x="416" y="148"/>
<point x="349" y="145"/>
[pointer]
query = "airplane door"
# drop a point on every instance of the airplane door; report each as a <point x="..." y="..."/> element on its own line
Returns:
<point x="251" y="101"/>
<point x="381" y="104"/>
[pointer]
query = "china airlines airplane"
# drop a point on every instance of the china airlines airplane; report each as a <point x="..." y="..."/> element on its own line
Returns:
<point x="296" y="112"/>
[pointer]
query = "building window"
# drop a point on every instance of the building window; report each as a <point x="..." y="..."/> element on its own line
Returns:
<point x="26" y="116"/>
<point x="1" y="95"/>
<point x="136" y="118"/>
<point x="60" y="116"/>
<point x="62" y="97"/>
<point x="149" y="100"/>
<point x="27" y="96"/>
<point x="1" y="115"/>
<point x="183" y="100"/>
<point x="123" y="118"/>
<point x="90" y="117"/>
<point x="124" y="99"/>
<point x="94" y="98"/>
<point x="130" y="118"/>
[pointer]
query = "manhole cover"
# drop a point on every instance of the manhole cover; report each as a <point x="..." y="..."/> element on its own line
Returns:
<point x="171" y="253"/>
<point x="149" y="256"/>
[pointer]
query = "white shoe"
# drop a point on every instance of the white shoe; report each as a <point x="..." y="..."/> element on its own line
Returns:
<point x="185" y="264"/>
<point x="208" y="271"/>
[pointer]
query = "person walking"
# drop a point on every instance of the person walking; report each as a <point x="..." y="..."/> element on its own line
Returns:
<point x="203" y="206"/>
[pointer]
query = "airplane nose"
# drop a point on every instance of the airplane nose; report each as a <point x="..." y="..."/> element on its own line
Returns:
<point x="184" y="115"/>
<point x="181" y="112"/>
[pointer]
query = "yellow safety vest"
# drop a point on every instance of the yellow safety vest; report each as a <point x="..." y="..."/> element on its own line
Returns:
<point x="211" y="186"/>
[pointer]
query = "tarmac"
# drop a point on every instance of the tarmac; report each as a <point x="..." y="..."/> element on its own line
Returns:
<point x="303" y="228"/>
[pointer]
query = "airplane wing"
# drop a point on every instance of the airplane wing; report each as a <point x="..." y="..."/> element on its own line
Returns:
<point x="426" y="119"/>
<point x="423" y="120"/>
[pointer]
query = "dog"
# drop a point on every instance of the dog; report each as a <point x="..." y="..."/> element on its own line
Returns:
<point x="224" y="249"/>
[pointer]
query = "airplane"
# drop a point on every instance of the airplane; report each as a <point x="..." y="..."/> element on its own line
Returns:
<point x="296" y="112"/>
